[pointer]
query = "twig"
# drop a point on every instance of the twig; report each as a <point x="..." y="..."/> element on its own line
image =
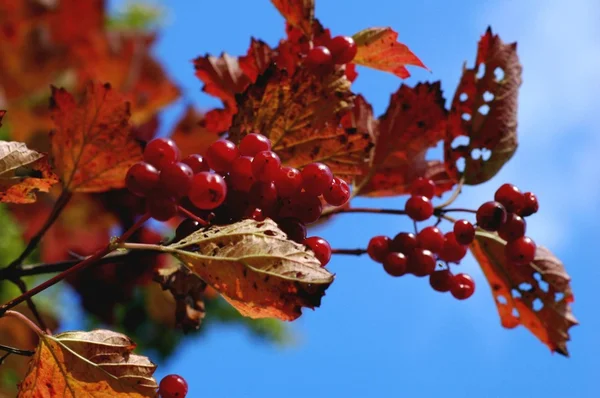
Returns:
<point x="352" y="252"/>
<point x="36" y="314"/>
<point x="455" y="194"/>
<point x="191" y="215"/>
<point x="11" y="350"/>
<point x="26" y="321"/>
<point x="364" y="210"/>
<point x="454" y="210"/>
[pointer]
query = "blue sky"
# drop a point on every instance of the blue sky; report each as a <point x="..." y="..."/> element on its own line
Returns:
<point x="376" y="336"/>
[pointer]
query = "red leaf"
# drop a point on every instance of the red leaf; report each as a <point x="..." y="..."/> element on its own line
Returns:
<point x="67" y="29"/>
<point x="257" y="60"/>
<point x="299" y="13"/>
<point x="378" y="48"/>
<point x="190" y="135"/>
<point x="414" y="122"/>
<point x="491" y="123"/>
<point x="291" y="51"/>
<point x="92" y="144"/>
<point x="222" y="76"/>
<point x="516" y="288"/>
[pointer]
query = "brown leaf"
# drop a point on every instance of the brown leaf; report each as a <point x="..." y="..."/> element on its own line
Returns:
<point x="299" y="13"/>
<point x="489" y="104"/>
<point x="414" y="122"/>
<point x="301" y="115"/>
<point x="189" y="134"/>
<point x="378" y="48"/>
<point x="517" y="290"/>
<point x="92" y="144"/>
<point x="99" y="363"/>
<point x="256" y="268"/>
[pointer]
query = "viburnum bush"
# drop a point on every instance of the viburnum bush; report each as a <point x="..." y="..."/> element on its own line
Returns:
<point x="238" y="186"/>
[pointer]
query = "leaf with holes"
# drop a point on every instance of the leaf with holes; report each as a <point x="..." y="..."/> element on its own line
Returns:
<point x="518" y="292"/>
<point x="99" y="363"/>
<point x="378" y="48"/>
<point x="256" y="268"/>
<point x="92" y="144"/>
<point x="23" y="172"/>
<point x="414" y="122"/>
<point x="484" y="109"/>
<point x="301" y="115"/>
<point x="299" y="13"/>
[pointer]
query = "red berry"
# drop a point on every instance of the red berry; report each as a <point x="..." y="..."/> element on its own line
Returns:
<point x="452" y="251"/>
<point x="431" y="238"/>
<point x="309" y="207"/>
<point x="530" y="205"/>
<point x="173" y="386"/>
<point x="421" y="262"/>
<point x="520" y="251"/>
<point x="293" y="228"/>
<point x="510" y="197"/>
<point x="141" y="178"/>
<point x="320" y="247"/>
<point x="464" y="232"/>
<point x="221" y="154"/>
<point x="240" y="175"/>
<point x="491" y="215"/>
<point x="441" y="280"/>
<point x="395" y="264"/>
<point x="318" y="57"/>
<point x="419" y="208"/>
<point x="404" y="242"/>
<point x="263" y="195"/>
<point x="252" y="144"/>
<point x="196" y="162"/>
<point x="316" y="178"/>
<point x="343" y="49"/>
<point x="208" y="191"/>
<point x="266" y="166"/>
<point x="255" y="213"/>
<point x="288" y="181"/>
<point x="463" y="286"/>
<point x="379" y="248"/>
<point x="176" y="179"/>
<point x="186" y="228"/>
<point x="422" y="187"/>
<point x="338" y="192"/>
<point x="513" y="228"/>
<point x="160" y="152"/>
<point x="162" y="208"/>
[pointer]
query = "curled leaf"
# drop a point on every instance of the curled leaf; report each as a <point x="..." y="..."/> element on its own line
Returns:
<point x="92" y="144"/>
<point x="484" y="109"/>
<point x="222" y="76"/>
<point x="536" y="296"/>
<point x="299" y="13"/>
<point x="99" y="364"/>
<point x="378" y="48"/>
<point x="256" y="268"/>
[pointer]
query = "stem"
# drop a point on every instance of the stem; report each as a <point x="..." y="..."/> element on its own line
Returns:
<point x="455" y="194"/>
<point x="364" y="210"/>
<point x="83" y="264"/>
<point x="351" y="252"/>
<point x="36" y="314"/>
<point x="26" y="321"/>
<point x="191" y="215"/>
<point x="455" y="210"/>
<point x="59" y="205"/>
<point x="12" y="350"/>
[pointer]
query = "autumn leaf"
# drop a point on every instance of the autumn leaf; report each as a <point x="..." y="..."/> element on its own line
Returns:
<point x="378" y="48"/>
<point x="257" y="60"/>
<point x="23" y="172"/>
<point x="291" y="51"/>
<point x="92" y="144"/>
<point x="222" y="76"/>
<point x="99" y="363"/>
<point x="484" y="109"/>
<point x="301" y="115"/>
<point x="414" y="122"/>
<point x="190" y="135"/>
<point x="299" y="13"/>
<point x="256" y="268"/>
<point x="536" y="296"/>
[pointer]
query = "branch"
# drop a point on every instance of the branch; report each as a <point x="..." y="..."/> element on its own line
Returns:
<point x="351" y="252"/>
<point x="12" y="350"/>
<point x="36" y="314"/>
<point x="455" y="194"/>
<point x="364" y="210"/>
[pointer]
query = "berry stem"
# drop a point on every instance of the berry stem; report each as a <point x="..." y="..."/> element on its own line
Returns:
<point x="83" y="264"/>
<point x="351" y="252"/>
<point x="364" y="210"/>
<point x="455" y="210"/>
<point x="32" y="307"/>
<point x="26" y="321"/>
<point x="12" y="350"/>
<point x="454" y="195"/>
<point x="191" y="215"/>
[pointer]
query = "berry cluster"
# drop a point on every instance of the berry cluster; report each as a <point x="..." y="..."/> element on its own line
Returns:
<point x="339" y="51"/>
<point x="231" y="183"/>
<point x="172" y="386"/>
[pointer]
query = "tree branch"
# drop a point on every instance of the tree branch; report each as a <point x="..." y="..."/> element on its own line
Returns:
<point x="12" y="350"/>
<point x="351" y="252"/>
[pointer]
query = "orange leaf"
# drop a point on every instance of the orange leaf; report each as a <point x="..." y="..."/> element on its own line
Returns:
<point x="301" y="115"/>
<point x="190" y="136"/>
<point x="92" y="144"/>
<point x="517" y="290"/>
<point x="299" y="13"/>
<point x="222" y="76"/>
<point x="378" y="48"/>
<point x="99" y="363"/>
<point x="485" y="110"/>
<point x="68" y="29"/>
<point x="414" y="122"/>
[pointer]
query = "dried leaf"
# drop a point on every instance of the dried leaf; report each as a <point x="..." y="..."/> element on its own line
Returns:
<point x="414" y="122"/>
<point x="14" y="155"/>
<point x="256" y="268"/>
<point x="190" y="136"/>
<point x="22" y="186"/>
<point x="299" y="13"/>
<point x="92" y="144"/>
<point x="378" y="48"/>
<point x="301" y="115"/>
<point x="99" y="363"/>
<point x="518" y="290"/>
<point x="489" y="103"/>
